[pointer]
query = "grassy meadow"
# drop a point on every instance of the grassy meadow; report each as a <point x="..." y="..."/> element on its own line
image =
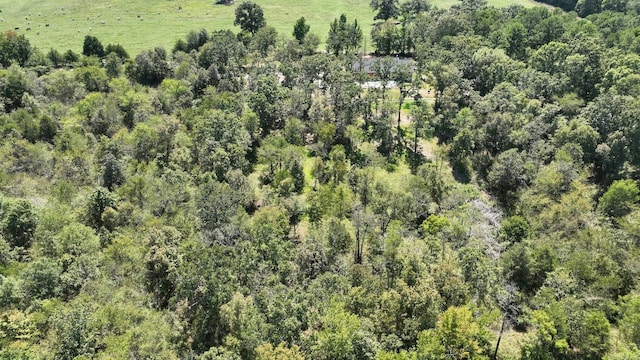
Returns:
<point x="143" y="24"/>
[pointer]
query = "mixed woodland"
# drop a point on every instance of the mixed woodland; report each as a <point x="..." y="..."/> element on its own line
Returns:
<point x="243" y="195"/>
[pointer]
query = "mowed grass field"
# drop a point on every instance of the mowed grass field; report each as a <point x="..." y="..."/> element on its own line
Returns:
<point x="144" y="24"/>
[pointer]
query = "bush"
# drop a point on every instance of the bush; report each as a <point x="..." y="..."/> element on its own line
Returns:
<point x="620" y="198"/>
<point x="19" y="223"/>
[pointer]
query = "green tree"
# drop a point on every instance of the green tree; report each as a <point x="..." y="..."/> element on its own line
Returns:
<point x="55" y="57"/>
<point x="297" y="173"/>
<point x="281" y="352"/>
<point x="14" y="49"/>
<point x="195" y="39"/>
<point x="249" y="16"/>
<point x="77" y="248"/>
<point x="220" y="142"/>
<point x="338" y="238"/>
<point x="387" y="9"/>
<point x="14" y="85"/>
<point x="528" y="268"/>
<point x="414" y="7"/>
<point x="117" y="49"/>
<point x="591" y="336"/>
<point x="41" y="279"/>
<point x="100" y="114"/>
<point x="245" y="326"/>
<point x="113" y="65"/>
<point x="585" y="8"/>
<point x="112" y="173"/>
<point x="93" y="78"/>
<point x="387" y="38"/>
<point x="507" y="176"/>
<point x="343" y="37"/>
<point x="92" y="47"/>
<point x="339" y="334"/>
<point x="620" y="199"/>
<point x="75" y="334"/>
<point x="99" y="200"/>
<point x="515" y="40"/>
<point x="71" y="57"/>
<point x="19" y="222"/>
<point x="222" y="57"/>
<point x="300" y="29"/>
<point x="217" y="204"/>
<point x="149" y="67"/>
<point x="630" y="322"/>
<point x="267" y="103"/>
<point x="456" y="336"/>
<point x="514" y="229"/>
<point x="161" y="263"/>
<point x="205" y="281"/>
<point x="264" y="40"/>
<point x="449" y="281"/>
<point x="5" y="254"/>
<point x="547" y="344"/>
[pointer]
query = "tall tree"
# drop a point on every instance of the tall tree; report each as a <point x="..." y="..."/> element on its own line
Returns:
<point x="343" y="37"/>
<point x="387" y="9"/>
<point x="250" y="17"/>
<point x="150" y="67"/>
<point x="18" y="222"/>
<point x="300" y="29"/>
<point x="92" y="47"/>
<point x="14" y="48"/>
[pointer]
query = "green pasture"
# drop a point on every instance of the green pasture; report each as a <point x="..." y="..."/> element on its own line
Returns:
<point x="143" y="24"/>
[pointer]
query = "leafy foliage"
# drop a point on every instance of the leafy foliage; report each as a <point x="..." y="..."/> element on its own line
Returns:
<point x="250" y="17"/>
<point x="243" y="197"/>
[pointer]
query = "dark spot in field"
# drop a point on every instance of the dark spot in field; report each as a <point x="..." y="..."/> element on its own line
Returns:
<point x="28" y="29"/>
<point x="46" y="25"/>
<point x="16" y="28"/>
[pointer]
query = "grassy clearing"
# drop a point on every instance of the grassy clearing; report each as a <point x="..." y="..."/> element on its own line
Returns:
<point x="139" y="25"/>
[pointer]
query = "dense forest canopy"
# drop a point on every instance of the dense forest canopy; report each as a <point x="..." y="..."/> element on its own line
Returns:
<point x="245" y="196"/>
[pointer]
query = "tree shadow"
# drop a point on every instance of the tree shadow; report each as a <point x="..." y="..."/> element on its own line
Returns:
<point x="461" y="173"/>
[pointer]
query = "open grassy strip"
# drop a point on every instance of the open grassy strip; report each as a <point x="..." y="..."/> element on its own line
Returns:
<point x="139" y="25"/>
